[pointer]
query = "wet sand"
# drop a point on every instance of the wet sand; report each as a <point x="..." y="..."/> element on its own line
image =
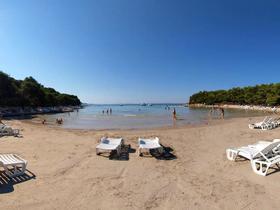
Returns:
<point x="65" y="173"/>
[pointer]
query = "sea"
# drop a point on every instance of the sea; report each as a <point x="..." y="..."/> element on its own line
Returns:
<point x="140" y="116"/>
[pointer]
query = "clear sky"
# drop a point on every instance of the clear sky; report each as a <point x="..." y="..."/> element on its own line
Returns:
<point x="120" y="51"/>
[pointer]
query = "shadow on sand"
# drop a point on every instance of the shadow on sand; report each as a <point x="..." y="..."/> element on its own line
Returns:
<point x="167" y="153"/>
<point x="16" y="136"/>
<point x="7" y="183"/>
<point x="124" y="153"/>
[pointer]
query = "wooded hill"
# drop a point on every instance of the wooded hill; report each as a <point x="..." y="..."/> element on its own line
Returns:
<point x="29" y="92"/>
<point x="266" y="94"/>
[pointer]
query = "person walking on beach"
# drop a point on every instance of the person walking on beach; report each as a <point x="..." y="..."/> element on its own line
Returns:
<point x="174" y="114"/>
<point x="110" y="111"/>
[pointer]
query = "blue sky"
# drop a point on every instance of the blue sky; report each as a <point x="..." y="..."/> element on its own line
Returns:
<point x="131" y="51"/>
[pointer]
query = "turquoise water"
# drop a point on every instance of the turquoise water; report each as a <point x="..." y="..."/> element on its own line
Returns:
<point x="137" y="116"/>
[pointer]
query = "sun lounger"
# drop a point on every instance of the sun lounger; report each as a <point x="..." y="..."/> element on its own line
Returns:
<point x="8" y="131"/>
<point x="267" y="124"/>
<point x="109" y="144"/>
<point x="262" y="155"/>
<point x="250" y="151"/>
<point x="13" y="164"/>
<point x="148" y="144"/>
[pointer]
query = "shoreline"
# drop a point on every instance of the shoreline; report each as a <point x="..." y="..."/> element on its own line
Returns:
<point x="275" y="110"/>
<point x="212" y="122"/>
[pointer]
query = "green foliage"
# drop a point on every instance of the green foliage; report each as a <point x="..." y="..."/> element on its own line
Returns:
<point x="29" y="92"/>
<point x="268" y="95"/>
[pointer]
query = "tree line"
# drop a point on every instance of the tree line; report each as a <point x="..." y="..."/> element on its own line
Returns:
<point x="265" y="94"/>
<point x="29" y="92"/>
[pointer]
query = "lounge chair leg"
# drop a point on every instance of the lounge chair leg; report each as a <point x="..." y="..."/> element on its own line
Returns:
<point x="231" y="154"/>
<point x="260" y="168"/>
<point x="97" y="151"/>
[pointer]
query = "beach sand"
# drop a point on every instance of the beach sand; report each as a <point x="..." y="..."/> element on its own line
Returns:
<point x="65" y="173"/>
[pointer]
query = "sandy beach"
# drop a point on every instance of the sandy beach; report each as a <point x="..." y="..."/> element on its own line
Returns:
<point x="65" y="173"/>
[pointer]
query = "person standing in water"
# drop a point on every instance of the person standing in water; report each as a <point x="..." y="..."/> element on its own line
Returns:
<point x="1" y="120"/>
<point x="222" y="113"/>
<point x="110" y="111"/>
<point x="174" y="114"/>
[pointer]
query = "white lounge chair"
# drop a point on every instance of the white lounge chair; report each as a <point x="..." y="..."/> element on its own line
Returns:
<point x="13" y="164"/>
<point x="249" y="152"/>
<point x="268" y="123"/>
<point x="276" y="122"/>
<point x="260" y="125"/>
<point x="147" y="144"/>
<point x="262" y="155"/>
<point x="8" y="131"/>
<point x="109" y="144"/>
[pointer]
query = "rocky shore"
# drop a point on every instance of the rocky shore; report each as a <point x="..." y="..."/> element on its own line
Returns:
<point x="23" y="111"/>
<point x="245" y="107"/>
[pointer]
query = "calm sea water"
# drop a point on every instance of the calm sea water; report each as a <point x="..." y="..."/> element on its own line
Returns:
<point x="137" y="116"/>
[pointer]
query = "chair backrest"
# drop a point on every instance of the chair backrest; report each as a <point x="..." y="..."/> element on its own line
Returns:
<point x="147" y="141"/>
<point x="115" y="140"/>
<point x="265" y="119"/>
<point x="105" y="141"/>
<point x="269" y="149"/>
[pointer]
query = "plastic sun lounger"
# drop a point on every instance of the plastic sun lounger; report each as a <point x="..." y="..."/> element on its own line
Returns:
<point x="8" y="131"/>
<point x="264" y="125"/>
<point x="147" y="144"/>
<point x="109" y="144"/>
<point x="249" y="152"/>
<point x="262" y="155"/>
<point x="13" y="164"/>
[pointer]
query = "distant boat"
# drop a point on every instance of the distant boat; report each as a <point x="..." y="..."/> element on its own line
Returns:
<point x="143" y="104"/>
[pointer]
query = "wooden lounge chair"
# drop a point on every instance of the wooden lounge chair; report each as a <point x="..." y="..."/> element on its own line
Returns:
<point x="13" y="164"/>
<point x="109" y="144"/>
<point x="145" y="145"/>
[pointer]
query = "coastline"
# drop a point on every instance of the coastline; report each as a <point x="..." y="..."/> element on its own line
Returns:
<point x="243" y="107"/>
<point x="65" y="173"/>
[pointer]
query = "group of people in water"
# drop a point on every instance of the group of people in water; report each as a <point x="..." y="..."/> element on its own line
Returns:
<point x="108" y="111"/>
<point x="58" y="121"/>
<point x="214" y="111"/>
